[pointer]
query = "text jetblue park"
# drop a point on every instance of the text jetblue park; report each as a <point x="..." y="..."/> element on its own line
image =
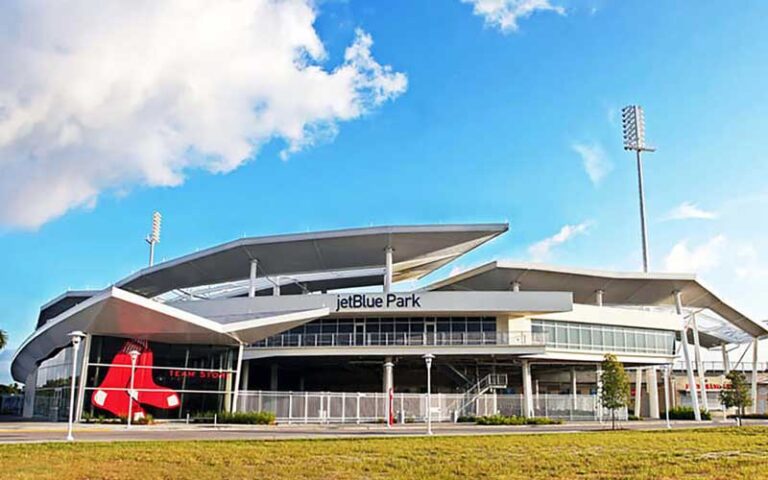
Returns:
<point x="390" y="300"/>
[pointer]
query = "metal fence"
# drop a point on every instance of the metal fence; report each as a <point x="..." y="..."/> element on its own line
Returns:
<point x="353" y="407"/>
<point x="400" y="339"/>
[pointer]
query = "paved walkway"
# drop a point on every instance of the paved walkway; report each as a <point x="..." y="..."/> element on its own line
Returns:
<point x="24" y="432"/>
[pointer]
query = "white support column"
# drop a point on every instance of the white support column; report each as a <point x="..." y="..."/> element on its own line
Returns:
<point x="252" y="278"/>
<point x="388" y="386"/>
<point x="276" y="287"/>
<point x="239" y="368"/>
<point x="246" y="374"/>
<point x="754" y="375"/>
<point x="599" y="383"/>
<point x="273" y="385"/>
<point x="699" y="364"/>
<point x="388" y="269"/>
<point x="726" y="360"/>
<point x="573" y="389"/>
<point x="638" y="391"/>
<point x="666" y="395"/>
<point x="515" y="286"/>
<point x="599" y="297"/>
<point x="83" y="378"/>
<point x="527" y="390"/>
<point x="652" y="384"/>
<point x="687" y="357"/>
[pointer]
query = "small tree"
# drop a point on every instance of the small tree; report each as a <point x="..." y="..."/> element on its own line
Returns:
<point x="737" y="395"/>
<point x="3" y="339"/>
<point x="615" y="389"/>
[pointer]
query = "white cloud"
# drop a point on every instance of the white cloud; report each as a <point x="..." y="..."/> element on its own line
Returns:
<point x="505" y="14"/>
<point x="594" y="160"/>
<point x="697" y="259"/>
<point x="688" y="210"/>
<point x="109" y="95"/>
<point x="541" y="250"/>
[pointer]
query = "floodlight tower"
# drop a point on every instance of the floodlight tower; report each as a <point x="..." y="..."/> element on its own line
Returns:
<point x="154" y="236"/>
<point x="633" y="126"/>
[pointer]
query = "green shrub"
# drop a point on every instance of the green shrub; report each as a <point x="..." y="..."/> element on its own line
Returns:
<point x="515" y="420"/>
<point x="686" y="413"/>
<point x="755" y="416"/>
<point x="466" y="419"/>
<point x="250" y="418"/>
<point x="633" y="418"/>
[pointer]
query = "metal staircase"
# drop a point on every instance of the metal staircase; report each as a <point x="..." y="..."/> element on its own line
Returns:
<point x="492" y="381"/>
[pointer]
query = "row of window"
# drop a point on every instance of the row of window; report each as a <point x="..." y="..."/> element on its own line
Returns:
<point x="408" y="325"/>
<point x="607" y="338"/>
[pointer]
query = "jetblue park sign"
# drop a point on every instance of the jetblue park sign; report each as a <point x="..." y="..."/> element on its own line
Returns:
<point x="367" y="301"/>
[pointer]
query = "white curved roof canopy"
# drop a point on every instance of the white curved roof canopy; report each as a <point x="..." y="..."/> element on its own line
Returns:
<point x="417" y="251"/>
<point x="620" y="288"/>
<point x="115" y="312"/>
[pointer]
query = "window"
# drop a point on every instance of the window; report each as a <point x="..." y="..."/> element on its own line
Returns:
<point x="606" y="338"/>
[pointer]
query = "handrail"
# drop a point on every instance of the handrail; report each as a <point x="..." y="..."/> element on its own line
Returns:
<point x="290" y="340"/>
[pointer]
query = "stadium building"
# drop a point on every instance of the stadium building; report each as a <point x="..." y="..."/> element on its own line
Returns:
<point x="311" y="327"/>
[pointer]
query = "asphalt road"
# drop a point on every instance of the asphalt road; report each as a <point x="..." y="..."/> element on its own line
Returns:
<point x="25" y="432"/>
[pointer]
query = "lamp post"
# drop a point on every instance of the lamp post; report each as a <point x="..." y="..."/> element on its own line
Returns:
<point x="633" y="126"/>
<point x="428" y="360"/>
<point x="134" y="355"/>
<point x="76" y="337"/>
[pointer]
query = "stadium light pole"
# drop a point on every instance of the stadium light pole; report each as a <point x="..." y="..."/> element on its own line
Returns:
<point x="428" y="360"/>
<point x="134" y="355"/>
<point x="154" y="236"/>
<point x="76" y="337"/>
<point x="633" y="127"/>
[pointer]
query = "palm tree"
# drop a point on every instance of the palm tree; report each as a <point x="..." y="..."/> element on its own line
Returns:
<point x="3" y="339"/>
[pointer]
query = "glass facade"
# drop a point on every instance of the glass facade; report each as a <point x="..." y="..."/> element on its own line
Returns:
<point x="54" y="377"/>
<point x="169" y="380"/>
<point x="604" y="338"/>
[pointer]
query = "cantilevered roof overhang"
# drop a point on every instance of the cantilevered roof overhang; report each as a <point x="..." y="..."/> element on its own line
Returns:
<point x="620" y="288"/>
<point x="116" y="312"/>
<point x="417" y="251"/>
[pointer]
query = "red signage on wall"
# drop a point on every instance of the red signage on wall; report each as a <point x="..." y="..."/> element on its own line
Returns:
<point x="115" y="395"/>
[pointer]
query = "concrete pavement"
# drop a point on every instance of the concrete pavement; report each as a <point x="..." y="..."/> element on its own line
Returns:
<point x="25" y="432"/>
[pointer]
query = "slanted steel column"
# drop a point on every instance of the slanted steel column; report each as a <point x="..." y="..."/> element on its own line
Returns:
<point x="239" y="368"/>
<point x="388" y="269"/>
<point x="726" y="360"/>
<point x="652" y="384"/>
<point x="638" y="391"/>
<point x="252" y="278"/>
<point x="754" y="375"/>
<point x="687" y="356"/>
<point x="527" y="390"/>
<point x="699" y="363"/>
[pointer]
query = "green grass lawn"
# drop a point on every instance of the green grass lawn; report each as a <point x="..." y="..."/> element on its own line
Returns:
<point x="726" y="453"/>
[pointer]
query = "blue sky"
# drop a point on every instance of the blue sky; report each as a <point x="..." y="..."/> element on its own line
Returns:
<point x="450" y="118"/>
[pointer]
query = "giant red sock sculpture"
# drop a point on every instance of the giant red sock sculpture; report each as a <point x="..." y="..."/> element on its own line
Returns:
<point x="149" y="392"/>
<point x="113" y="394"/>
